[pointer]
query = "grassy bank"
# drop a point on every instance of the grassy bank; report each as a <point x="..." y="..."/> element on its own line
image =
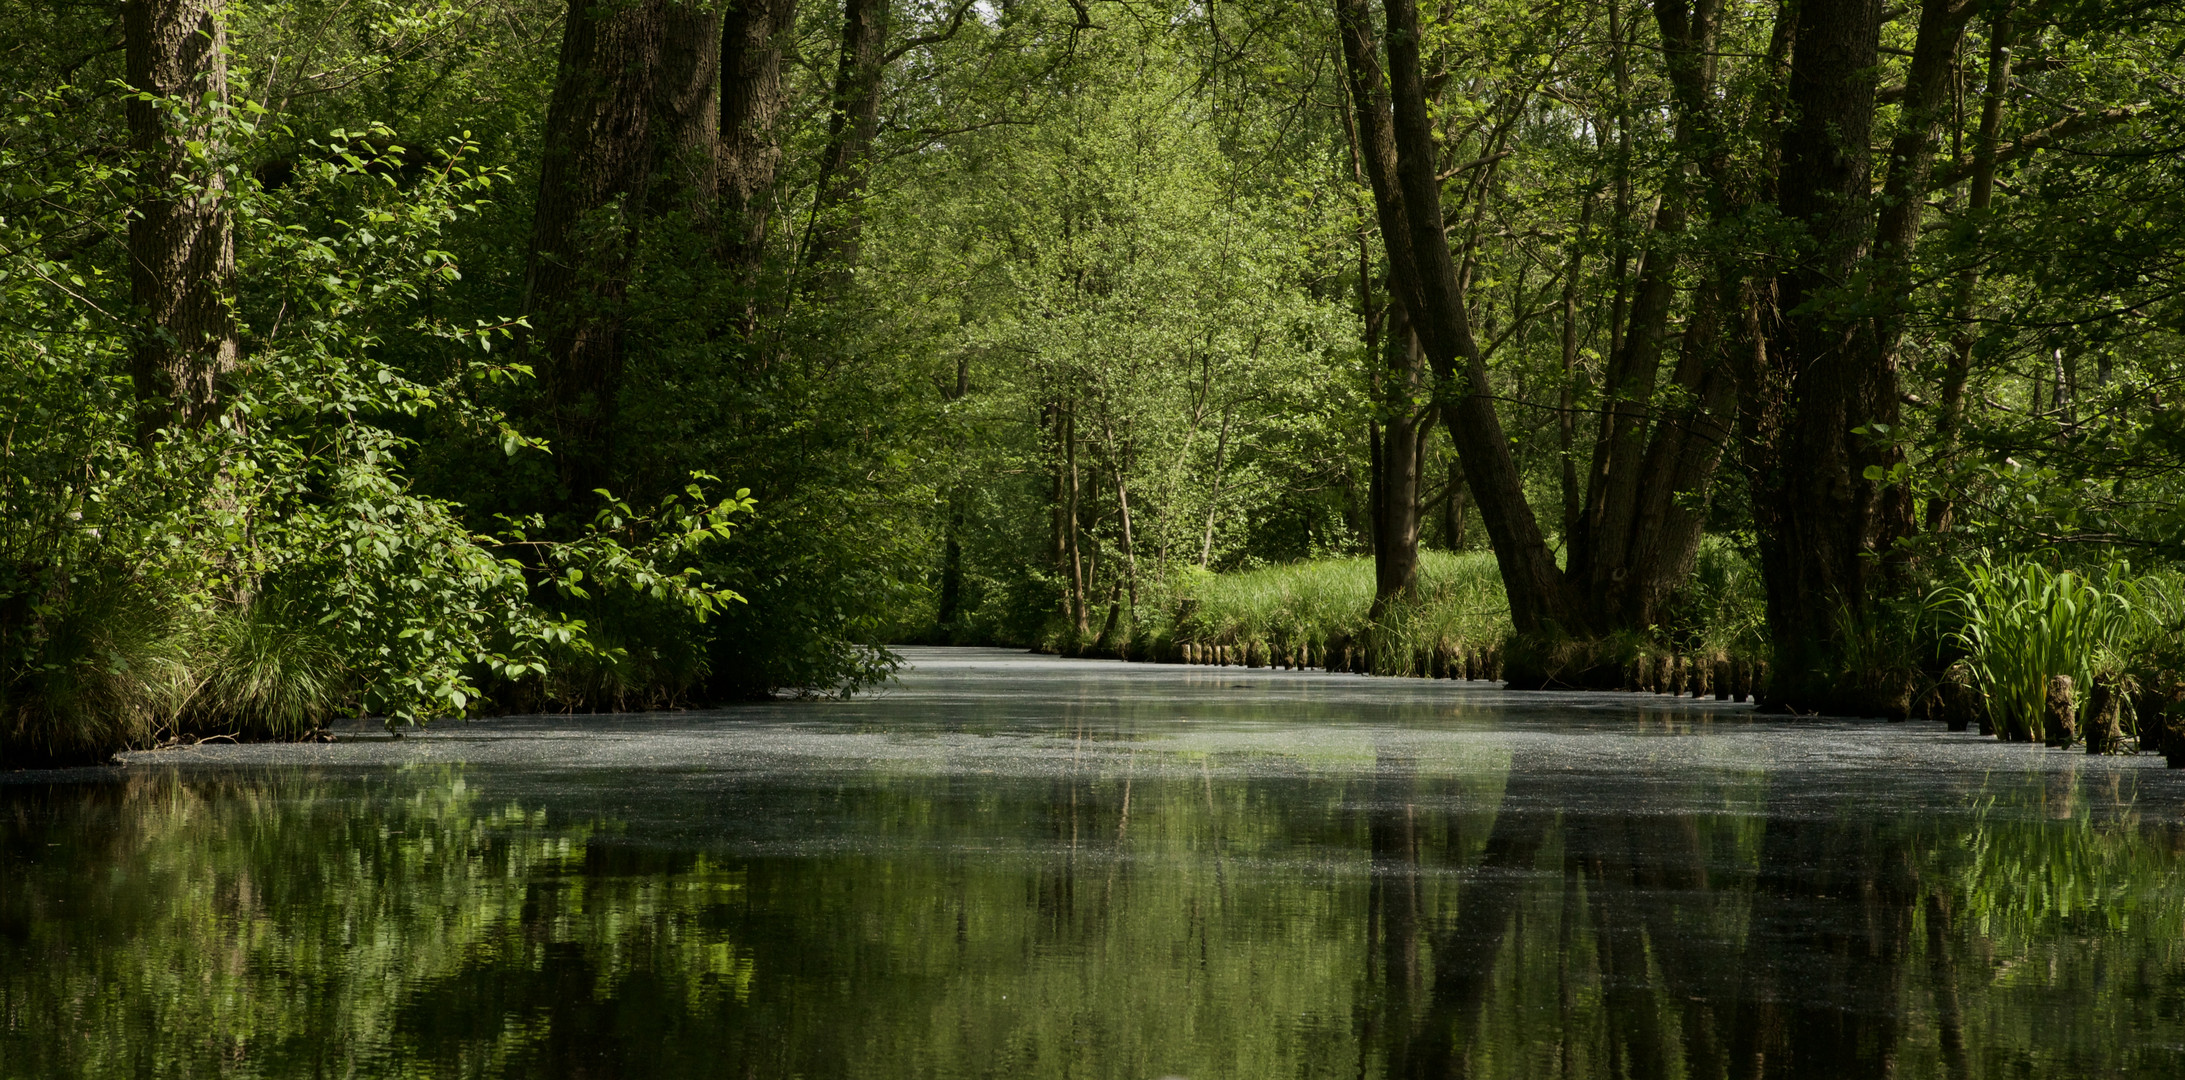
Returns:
<point x="2010" y="647"/>
<point x="1316" y="614"/>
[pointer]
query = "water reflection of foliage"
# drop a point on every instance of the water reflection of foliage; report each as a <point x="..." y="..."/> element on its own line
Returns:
<point x="1153" y="908"/>
<point x="285" y="924"/>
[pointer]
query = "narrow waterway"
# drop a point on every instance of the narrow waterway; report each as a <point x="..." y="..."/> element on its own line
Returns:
<point x="1015" y="866"/>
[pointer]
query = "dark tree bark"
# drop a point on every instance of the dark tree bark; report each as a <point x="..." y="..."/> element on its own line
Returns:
<point x="1397" y="439"/>
<point x="686" y="120"/>
<point x="1823" y="522"/>
<point x="751" y="101"/>
<point x="592" y="188"/>
<point x="181" y="239"/>
<point x="853" y="120"/>
<point x="1397" y="146"/>
<point x="1904" y="199"/>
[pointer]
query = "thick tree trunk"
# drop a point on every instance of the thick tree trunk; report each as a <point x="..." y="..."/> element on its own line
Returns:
<point x="1396" y="143"/>
<point x="592" y="186"/>
<point x="1823" y="520"/>
<point x="181" y="239"/>
<point x="686" y="120"/>
<point x="853" y="121"/>
<point x="751" y="101"/>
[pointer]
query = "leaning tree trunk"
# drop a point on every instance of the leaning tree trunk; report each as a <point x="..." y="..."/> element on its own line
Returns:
<point x="853" y="120"/>
<point x="1396" y="142"/>
<point x="592" y="187"/>
<point x="1904" y="204"/>
<point x="1824" y="518"/>
<point x="181" y="240"/>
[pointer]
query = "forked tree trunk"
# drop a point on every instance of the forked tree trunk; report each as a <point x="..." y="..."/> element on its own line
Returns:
<point x="1655" y="455"/>
<point x="592" y="189"/>
<point x="181" y="239"/>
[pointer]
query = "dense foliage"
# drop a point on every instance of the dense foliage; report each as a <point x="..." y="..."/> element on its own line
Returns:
<point x="382" y="355"/>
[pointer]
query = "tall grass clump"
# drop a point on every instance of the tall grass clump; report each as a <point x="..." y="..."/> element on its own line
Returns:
<point x="269" y="671"/>
<point x="1460" y="601"/>
<point x="102" y="665"/>
<point x="2021" y="624"/>
<point x="1723" y="609"/>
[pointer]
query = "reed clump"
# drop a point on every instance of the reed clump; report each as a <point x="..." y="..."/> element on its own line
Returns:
<point x="2033" y="639"/>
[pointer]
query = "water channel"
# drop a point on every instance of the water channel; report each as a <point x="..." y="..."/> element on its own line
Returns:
<point x="1014" y="866"/>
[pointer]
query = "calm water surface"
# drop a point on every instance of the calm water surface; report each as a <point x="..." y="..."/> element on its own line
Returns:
<point x="1014" y="866"/>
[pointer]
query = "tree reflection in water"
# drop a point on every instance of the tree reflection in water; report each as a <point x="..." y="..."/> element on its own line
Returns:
<point x="1390" y="908"/>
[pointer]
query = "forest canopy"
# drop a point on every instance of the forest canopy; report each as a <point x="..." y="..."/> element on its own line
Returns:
<point x="413" y="358"/>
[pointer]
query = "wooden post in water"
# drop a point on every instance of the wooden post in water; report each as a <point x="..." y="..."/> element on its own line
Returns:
<point x="2105" y="716"/>
<point x="1724" y="686"/>
<point x="1702" y="677"/>
<point x="1959" y="703"/>
<point x="2059" y="715"/>
<point x="1676" y="676"/>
